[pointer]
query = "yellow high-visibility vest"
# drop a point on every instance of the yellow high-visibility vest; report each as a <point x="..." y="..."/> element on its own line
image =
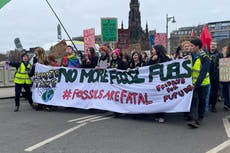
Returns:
<point x="196" y="72"/>
<point x="22" y="74"/>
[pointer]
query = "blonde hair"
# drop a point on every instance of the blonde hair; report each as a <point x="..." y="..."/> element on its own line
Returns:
<point x="41" y="55"/>
<point x="183" y="43"/>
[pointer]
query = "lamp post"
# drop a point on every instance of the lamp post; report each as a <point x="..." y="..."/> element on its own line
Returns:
<point x="168" y="19"/>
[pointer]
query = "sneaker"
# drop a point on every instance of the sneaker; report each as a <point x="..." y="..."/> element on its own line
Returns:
<point x="193" y="124"/>
<point x="226" y="108"/>
<point x="161" y="120"/>
<point x="16" y="109"/>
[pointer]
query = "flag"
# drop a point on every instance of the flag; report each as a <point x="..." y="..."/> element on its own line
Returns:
<point x="3" y="2"/>
<point x="206" y="38"/>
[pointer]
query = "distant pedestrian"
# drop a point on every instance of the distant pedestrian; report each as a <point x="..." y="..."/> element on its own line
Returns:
<point x="226" y="85"/>
<point x="214" y="56"/>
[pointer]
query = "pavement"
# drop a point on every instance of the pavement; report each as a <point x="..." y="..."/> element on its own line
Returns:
<point x="7" y="92"/>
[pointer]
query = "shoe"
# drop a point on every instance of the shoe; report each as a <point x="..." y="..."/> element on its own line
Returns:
<point x="213" y="109"/>
<point x="161" y="120"/>
<point x="193" y="124"/>
<point x="226" y="108"/>
<point x="16" y="109"/>
<point x="199" y="121"/>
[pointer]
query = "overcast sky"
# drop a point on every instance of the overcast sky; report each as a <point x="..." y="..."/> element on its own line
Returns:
<point x="33" y="22"/>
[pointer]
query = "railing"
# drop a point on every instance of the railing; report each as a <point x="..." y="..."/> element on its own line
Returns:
<point x="6" y="76"/>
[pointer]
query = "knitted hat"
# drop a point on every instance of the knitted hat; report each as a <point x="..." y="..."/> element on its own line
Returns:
<point x="116" y="51"/>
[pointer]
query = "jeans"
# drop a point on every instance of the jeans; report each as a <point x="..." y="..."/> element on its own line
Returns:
<point x="197" y="109"/>
<point x="226" y="93"/>
<point x="207" y="103"/>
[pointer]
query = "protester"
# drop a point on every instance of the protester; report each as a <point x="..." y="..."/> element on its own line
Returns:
<point x="22" y="80"/>
<point x="90" y="60"/>
<point x="144" y="57"/>
<point x="159" y="56"/>
<point x="125" y="58"/>
<point x="52" y="61"/>
<point x="200" y="80"/>
<point x="185" y="48"/>
<point x="103" y="61"/>
<point x="136" y="60"/>
<point x="116" y="61"/>
<point x="214" y="56"/>
<point x="41" y="58"/>
<point x="71" y="59"/>
<point x="226" y="85"/>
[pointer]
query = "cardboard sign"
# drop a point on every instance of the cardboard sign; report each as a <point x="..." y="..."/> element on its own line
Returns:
<point x="89" y="39"/>
<point x="224" y="69"/>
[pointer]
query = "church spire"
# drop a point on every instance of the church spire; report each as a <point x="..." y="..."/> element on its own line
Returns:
<point x="147" y="27"/>
<point x="135" y="21"/>
<point x="122" y="25"/>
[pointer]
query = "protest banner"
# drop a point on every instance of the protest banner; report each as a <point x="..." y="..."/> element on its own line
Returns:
<point x="163" y="87"/>
<point x="224" y="69"/>
<point x="109" y="29"/>
<point x="89" y="39"/>
<point x="123" y="39"/>
<point x="160" y="39"/>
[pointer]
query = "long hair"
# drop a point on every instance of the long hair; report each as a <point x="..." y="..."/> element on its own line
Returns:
<point x="41" y="55"/>
<point x="161" y="53"/>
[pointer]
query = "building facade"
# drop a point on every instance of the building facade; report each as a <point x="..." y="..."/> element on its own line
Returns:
<point x="219" y="30"/>
<point x="138" y="36"/>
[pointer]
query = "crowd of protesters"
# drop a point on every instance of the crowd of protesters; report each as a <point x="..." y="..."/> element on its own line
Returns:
<point x="205" y="72"/>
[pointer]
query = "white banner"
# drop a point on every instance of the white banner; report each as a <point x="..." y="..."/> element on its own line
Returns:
<point x="163" y="87"/>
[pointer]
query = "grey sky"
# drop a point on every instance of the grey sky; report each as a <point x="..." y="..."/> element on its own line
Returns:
<point x="33" y="22"/>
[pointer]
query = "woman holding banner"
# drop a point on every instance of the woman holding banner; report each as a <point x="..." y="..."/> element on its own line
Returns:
<point x="159" y="55"/>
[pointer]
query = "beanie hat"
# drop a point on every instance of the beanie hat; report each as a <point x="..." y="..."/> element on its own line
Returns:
<point x="116" y="51"/>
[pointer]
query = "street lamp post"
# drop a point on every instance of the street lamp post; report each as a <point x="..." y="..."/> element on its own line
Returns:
<point x="168" y="19"/>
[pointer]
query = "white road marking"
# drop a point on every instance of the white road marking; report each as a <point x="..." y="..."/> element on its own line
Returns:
<point x="82" y="121"/>
<point x="101" y="119"/>
<point x="92" y="118"/>
<point x="40" y="144"/>
<point x="220" y="147"/>
<point x="86" y="117"/>
<point x="227" y="126"/>
<point x="226" y="143"/>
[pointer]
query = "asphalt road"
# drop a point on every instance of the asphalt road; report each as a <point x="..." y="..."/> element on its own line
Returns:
<point x="34" y="131"/>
